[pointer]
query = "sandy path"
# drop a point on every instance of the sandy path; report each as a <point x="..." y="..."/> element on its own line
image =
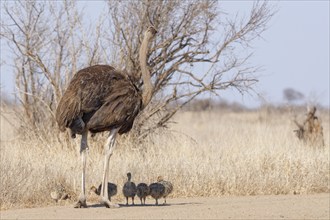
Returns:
<point x="249" y="207"/>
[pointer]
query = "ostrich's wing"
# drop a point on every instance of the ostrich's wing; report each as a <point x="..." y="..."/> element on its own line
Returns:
<point x="68" y="108"/>
<point x="119" y="109"/>
<point x="85" y="93"/>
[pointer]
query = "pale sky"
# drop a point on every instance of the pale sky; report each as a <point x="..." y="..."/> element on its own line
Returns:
<point x="293" y="53"/>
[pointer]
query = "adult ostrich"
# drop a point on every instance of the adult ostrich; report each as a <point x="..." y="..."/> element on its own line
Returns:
<point x="100" y="98"/>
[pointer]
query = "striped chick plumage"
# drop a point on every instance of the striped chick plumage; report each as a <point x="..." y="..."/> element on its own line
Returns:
<point x="59" y="193"/>
<point x="167" y="186"/>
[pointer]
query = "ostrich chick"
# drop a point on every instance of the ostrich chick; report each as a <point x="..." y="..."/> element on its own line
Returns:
<point x="142" y="192"/>
<point x="156" y="191"/>
<point x="129" y="189"/>
<point x="59" y="193"/>
<point x="167" y="185"/>
<point x="112" y="190"/>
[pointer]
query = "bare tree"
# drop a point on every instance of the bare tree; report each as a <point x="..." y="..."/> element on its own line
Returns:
<point x="48" y="43"/>
<point x="198" y="49"/>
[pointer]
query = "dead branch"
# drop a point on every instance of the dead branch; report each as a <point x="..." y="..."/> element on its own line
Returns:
<point x="311" y="130"/>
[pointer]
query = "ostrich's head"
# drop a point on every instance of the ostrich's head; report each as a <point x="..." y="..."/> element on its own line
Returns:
<point x="95" y="190"/>
<point x="160" y="178"/>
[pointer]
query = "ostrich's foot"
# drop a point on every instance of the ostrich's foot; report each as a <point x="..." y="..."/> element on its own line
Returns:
<point x="108" y="204"/>
<point x="81" y="204"/>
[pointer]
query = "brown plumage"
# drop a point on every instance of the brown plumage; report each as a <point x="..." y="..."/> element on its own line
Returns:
<point x="142" y="191"/>
<point x="100" y="98"/>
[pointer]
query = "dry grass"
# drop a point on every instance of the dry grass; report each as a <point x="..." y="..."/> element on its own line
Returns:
<point x="206" y="154"/>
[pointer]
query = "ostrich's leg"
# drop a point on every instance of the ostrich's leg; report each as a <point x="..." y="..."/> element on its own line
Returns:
<point x="83" y="147"/>
<point x="108" y="150"/>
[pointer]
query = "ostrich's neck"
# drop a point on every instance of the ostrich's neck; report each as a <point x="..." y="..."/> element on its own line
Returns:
<point x="147" y="85"/>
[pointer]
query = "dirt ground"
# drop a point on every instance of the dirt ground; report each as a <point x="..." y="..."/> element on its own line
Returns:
<point x="248" y="207"/>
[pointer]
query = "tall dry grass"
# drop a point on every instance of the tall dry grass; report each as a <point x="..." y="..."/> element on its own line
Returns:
<point x="203" y="154"/>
